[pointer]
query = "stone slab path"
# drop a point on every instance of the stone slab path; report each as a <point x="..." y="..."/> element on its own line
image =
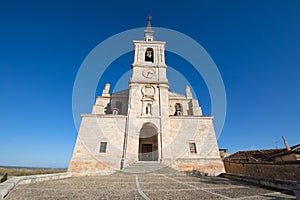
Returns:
<point x="143" y="186"/>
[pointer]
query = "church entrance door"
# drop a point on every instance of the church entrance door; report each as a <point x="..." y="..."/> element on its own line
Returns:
<point x="148" y="143"/>
<point x="147" y="152"/>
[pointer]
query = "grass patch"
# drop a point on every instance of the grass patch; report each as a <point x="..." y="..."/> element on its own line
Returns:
<point x="28" y="171"/>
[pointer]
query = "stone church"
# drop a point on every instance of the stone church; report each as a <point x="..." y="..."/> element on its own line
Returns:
<point x="147" y="123"/>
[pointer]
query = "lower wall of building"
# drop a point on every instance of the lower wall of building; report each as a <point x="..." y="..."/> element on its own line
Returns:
<point x="83" y="168"/>
<point x="209" y="167"/>
<point x="88" y="160"/>
<point x="282" y="170"/>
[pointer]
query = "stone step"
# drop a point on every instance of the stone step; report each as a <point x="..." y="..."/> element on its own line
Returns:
<point x="150" y="167"/>
<point x="150" y="163"/>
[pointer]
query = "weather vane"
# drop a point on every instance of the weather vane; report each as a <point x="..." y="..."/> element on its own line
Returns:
<point x="149" y="17"/>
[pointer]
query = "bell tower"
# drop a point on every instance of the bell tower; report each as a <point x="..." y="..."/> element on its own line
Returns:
<point x="148" y="103"/>
<point x="149" y="59"/>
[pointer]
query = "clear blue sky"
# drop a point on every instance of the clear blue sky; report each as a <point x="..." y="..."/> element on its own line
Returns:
<point x="255" y="44"/>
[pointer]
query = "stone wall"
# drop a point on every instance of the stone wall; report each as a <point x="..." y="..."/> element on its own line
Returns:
<point x="198" y="130"/>
<point x="207" y="167"/>
<point x="87" y="158"/>
<point x="190" y="129"/>
<point x="282" y="170"/>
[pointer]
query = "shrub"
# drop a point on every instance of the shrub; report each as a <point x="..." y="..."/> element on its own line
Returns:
<point x="3" y="178"/>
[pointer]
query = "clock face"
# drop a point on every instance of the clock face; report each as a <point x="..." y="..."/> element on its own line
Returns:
<point x="148" y="73"/>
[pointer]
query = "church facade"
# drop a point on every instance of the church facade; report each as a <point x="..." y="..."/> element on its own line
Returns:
<point x="146" y="123"/>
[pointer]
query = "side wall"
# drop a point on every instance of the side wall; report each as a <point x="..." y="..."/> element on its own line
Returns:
<point x="198" y="130"/>
<point x="283" y="170"/>
<point x="94" y="129"/>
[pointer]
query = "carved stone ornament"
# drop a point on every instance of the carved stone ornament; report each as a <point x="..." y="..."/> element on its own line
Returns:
<point x="148" y="91"/>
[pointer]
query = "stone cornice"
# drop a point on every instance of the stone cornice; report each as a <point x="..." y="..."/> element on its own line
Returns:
<point x="150" y="82"/>
<point x="103" y="116"/>
<point x="148" y="65"/>
<point x="149" y="42"/>
<point x="145" y="117"/>
<point x="191" y="117"/>
<point x="148" y="117"/>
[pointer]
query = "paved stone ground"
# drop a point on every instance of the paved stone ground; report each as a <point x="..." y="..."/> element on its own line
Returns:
<point x="143" y="186"/>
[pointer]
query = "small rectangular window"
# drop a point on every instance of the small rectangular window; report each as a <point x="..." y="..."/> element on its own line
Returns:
<point x="193" y="148"/>
<point x="103" y="146"/>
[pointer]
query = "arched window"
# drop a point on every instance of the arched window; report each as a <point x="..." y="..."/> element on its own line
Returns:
<point x="149" y="55"/>
<point x="178" y="109"/>
<point x="148" y="109"/>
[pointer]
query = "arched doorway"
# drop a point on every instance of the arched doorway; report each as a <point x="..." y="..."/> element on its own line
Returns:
<point x="148" y="143"/>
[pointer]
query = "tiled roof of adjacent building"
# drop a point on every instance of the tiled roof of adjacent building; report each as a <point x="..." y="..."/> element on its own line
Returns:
<point x="261" y="155"/>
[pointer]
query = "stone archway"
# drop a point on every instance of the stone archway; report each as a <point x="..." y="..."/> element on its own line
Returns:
<point x="148" y="143"/>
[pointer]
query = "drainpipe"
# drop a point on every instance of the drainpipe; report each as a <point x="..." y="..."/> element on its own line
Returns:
<point x="126" y="133"/>
<point x="124" y="143"/>
<point x="160" y="124"/>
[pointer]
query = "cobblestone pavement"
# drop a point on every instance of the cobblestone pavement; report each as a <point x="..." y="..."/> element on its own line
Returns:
<point x="143" y="187"/>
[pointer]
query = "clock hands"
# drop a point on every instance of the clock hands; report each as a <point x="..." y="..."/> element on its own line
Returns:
<point x="149" y="74"/>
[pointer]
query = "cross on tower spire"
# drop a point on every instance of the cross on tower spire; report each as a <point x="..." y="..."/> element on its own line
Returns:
<point x="149" y="22"/>
<point x="149" y="33"/>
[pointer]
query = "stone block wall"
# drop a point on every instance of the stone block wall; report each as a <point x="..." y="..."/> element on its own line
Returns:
<point x="189" y="129"/>
<point x="282" y="170"/>
<point x="176" y="145"/>
<point x="209" y="167"/>
<point x="87" y="158"/>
